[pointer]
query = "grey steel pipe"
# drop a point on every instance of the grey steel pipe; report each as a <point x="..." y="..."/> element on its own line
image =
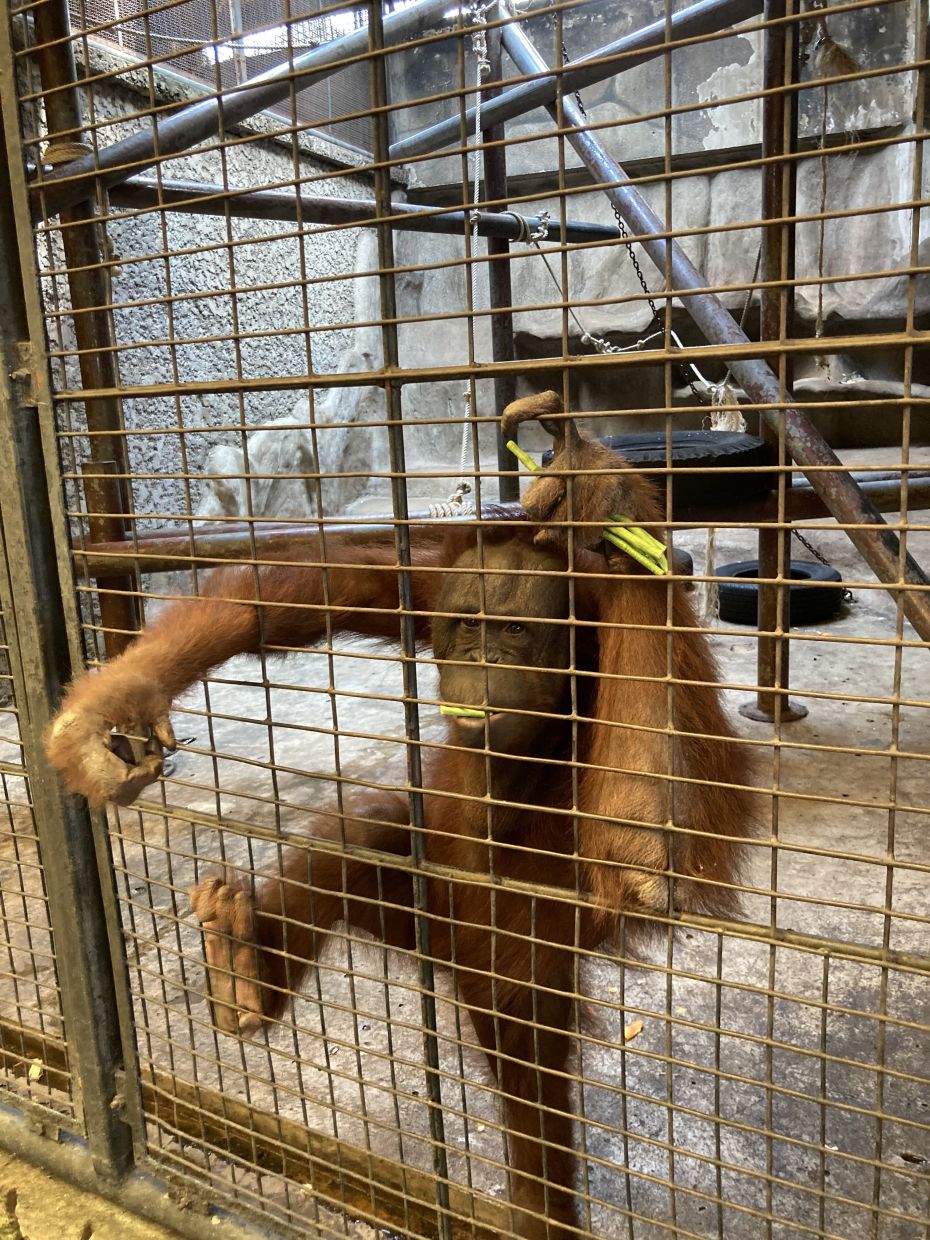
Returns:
<point x="73" y="182"/>
<point x="844" y="500"/>
<point x="198" y="198"/>
<point x="650" y="41"/>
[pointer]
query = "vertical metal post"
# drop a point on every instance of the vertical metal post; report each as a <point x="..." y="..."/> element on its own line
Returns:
<point x="93" y="324"/>
<point x="395" y="431"/>
<point x="500" y="290"/>
<point x="238" y="29"/>
<point x="779" y="179"/>
<point x="41" y="665"/>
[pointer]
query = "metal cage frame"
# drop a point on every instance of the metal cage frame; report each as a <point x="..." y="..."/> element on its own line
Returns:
<point x="117" y="1101"/>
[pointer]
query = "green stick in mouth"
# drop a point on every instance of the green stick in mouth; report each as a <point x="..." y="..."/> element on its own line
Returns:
<point x="465" y="712"/>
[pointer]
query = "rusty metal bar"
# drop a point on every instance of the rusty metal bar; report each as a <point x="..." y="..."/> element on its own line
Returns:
<point x="614" y="58"/>
<point x="500" y="285"/>
<point x="72" y="183"/>
<point x="82" y="240"/>
<point x="166" y="553"/>
<point x="41" y="667"/>
<point x="197" y="198"/>
<point x="394" y="413"/>
<point x="779" y="180"/>
<point x="846" y="502"/>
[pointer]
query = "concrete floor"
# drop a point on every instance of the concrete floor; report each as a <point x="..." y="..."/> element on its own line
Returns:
<point x="725" y="1093"/>
<point x="47" y="1208"/>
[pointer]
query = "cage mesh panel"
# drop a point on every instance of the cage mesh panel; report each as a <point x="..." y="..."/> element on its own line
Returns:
<point x="220" y="45"/>
<point x="761" y="1074"/>
<point x="33" y="1055"/>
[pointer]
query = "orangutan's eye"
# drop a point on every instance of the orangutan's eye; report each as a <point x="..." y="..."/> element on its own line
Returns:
<point x="514" y="627"/>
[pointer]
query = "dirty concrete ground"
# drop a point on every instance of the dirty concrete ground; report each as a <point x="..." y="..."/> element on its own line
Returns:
<point x="46" y="1208"/>
<point x="781" y="1091"/>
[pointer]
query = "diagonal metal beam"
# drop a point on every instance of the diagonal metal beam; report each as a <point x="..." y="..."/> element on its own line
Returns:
<point x="879" y="546"/>
<point x="707" y="17"/>
<point x="74" y="182"/>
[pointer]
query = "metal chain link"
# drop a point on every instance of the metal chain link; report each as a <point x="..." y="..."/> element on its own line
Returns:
<point x="683" y="370"/>
<point x="848" y="595"/>
<point x="813" y="550"/>
<point x="621" y="226"/>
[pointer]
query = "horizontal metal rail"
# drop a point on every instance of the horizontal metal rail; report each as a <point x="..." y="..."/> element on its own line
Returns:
<point x="196" y="198"/>
<point x="165" y="552"/>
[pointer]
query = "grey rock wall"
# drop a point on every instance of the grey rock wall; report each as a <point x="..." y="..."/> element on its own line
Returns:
<point x="200" y="298"/>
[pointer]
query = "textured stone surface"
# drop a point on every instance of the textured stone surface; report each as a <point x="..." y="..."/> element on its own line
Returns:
<point x="200" y="298"/>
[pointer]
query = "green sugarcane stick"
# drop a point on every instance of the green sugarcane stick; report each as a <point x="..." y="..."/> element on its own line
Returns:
<point x="653" y="563"/>
<point x="631" y="539"/>
<point x="639" y="536"/>
<point x="523" y="457"/>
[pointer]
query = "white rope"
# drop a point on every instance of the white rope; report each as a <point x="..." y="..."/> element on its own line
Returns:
<point x="457" y="505"/>
<point x="719" y="419"/>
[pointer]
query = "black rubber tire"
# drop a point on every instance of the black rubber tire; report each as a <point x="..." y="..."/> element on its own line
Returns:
<point x="811" y="599"/>
<point x="698" y="450"/>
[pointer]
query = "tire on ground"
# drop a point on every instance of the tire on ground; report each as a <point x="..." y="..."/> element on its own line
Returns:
<point x="811" y="598"/>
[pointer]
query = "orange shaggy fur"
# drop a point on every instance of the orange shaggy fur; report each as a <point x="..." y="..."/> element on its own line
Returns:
<point x="659" y="815"/>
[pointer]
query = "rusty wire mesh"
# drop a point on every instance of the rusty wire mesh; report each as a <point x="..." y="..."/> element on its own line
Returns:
<point x="34" y="1067"/>
<point x="227" y="377"/>
<point x="220" y="45"/>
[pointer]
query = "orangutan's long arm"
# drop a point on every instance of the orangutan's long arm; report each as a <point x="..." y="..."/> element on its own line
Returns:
<point x="241" y="611"/>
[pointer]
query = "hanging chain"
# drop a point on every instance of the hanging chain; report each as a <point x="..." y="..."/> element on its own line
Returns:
<point x="602" y="346"/>
<point x="848" y="595"/>
<point x="621" y="226"/>
<point x="813" y="550"/>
